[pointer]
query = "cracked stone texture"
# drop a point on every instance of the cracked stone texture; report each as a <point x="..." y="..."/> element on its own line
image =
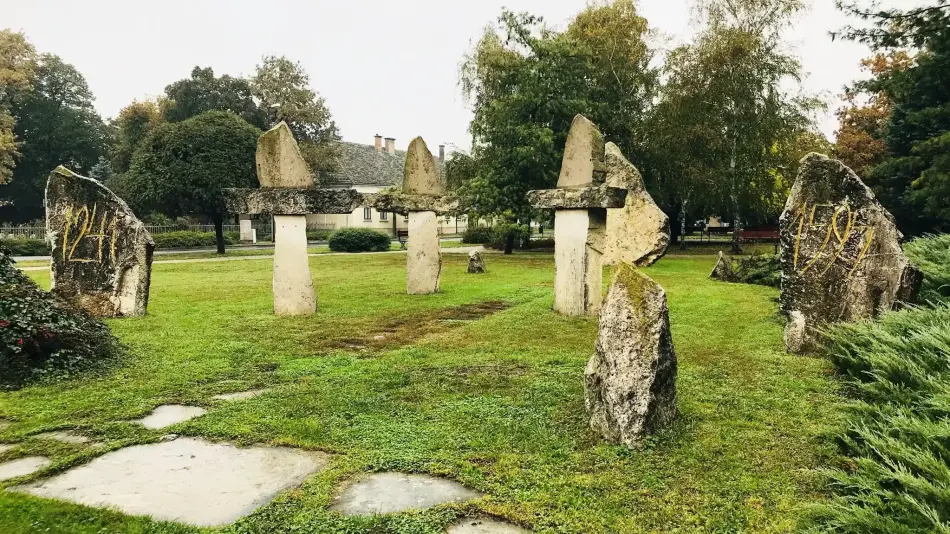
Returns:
<point x="476" y="265"/>
<point x="583" y="163"/>
<point x="593" y="197"/>
<point x="841" y="254"/>
<point x="279" y="163"/>
<point x="65" y="437"/>
<point x="403" y="204"/>
<point x="424" y="254"/>
<point x="22" y="467"/>
<point x="420" y="175"/>
<point x="171" y="414"/>
<point x="240" y="396"/>
<point x="638" y="232"/>
<point x="187" y="480"/>
<point x="386" y="493"/>
<point x="484" y="526"/>
<point x="630" y="382"/>
<point x="101" y="253"/>
<point x="723" y="270"/>
<point x="292" y="201"/>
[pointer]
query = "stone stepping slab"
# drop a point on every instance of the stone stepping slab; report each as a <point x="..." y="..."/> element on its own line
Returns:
<point x="386" y="493"/>
<point x="240" y="396"/>
<point x="64" y="437"/>
<point x="22" y="467"/>
<point x="170" y="414"/>
<point x="186" y="480"/>
<point x="484" y="526"/>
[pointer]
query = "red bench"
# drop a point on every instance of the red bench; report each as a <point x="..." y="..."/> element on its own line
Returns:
<point x="759" y="235"/>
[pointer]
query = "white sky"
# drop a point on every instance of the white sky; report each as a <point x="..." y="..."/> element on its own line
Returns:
<point x="387" y="67"/>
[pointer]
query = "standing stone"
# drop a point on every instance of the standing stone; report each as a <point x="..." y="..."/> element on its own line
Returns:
<point x="420" y="173"/>
<point x="101" y="253"/>
<point x="247" y="229"/>
<point x="294" y="293"/>
<point x="279" y="162"/>
<point x="476" y="265"/>
<point x="723" y="270"/>
<point x="639" y="232"/>
<point x="631" y="379"/>
<point x="583" y="164"/>
<point x="841" y="254"/>
<point x="424" y="261"/>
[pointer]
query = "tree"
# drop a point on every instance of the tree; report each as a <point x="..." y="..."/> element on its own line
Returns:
<point x="57" y="125"/>
<point x="132" y="125"/>
<point x="203" y="92"/>
<point x="283" y="89"/>
<point x="18" y="62"/>
<point x="181" y="167"/>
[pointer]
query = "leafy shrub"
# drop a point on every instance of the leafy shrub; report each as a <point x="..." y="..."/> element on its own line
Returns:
<point x="478" y="235"/>
<point x="44" y="336"/>
<point x="932" y="254"/>
<point x="896" y="433"/>
<point x="318" y="235"/>
<point x="359" y="240"/>
<point x="759" y="269"/>
<point x="26" y="247"/>
<point x="544" y="243"/>
<point x="189" y="239"/>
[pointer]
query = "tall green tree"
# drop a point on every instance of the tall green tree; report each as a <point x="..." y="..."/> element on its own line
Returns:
<point x="18" y="61"/>
<point x="181" y="167"/>
<point x="131" y="126"/>
<point x="283" y="89"/>
<point x="57" y="125"/>
<point x="204" y="91"/>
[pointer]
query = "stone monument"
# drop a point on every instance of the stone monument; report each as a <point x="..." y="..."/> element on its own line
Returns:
<point x="631" y="379"/>
<point x="723" y="270"/>
<point x="101" y="253"/>
<point x="639" y="232"/>
<point x="580" y="202"/>
<point x="423" y="199"/>
<point x="288" y="192"/>
<point x="841" y="254"/>
<point x="476" y="265"/>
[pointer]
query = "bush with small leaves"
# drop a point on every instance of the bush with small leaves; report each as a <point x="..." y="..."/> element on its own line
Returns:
<point x="359" y="240"/>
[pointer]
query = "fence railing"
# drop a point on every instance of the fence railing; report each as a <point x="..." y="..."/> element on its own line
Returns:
<point x="263" y="227"/>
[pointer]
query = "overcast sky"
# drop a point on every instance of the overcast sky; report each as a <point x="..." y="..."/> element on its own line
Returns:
<point x="387" y="67"/>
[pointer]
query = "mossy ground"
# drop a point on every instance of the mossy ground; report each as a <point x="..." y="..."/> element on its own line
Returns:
<point x="492" y="398"/>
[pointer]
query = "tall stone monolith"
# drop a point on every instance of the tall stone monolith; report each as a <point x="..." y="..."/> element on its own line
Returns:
<point x="101" y="253"/>
<point x="639" y="232"/>
<point x="841" y="254"/>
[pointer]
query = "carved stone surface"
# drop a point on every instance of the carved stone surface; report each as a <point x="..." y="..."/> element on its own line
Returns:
<point x="279" y="162"/>
<point x="292" y="201"/>
<point x="639" y="232"/>
<point x="101" y="253"/>
<point x="578" y="263"/>
<point x="723" y="270"/>
<point x="424" y="256"/>
<point x="476" y="265"/>
<point x="421" y="177"/>
<point x="841" y="254"/>
<point x="402" y="203"/>
<point x="630" y="382"/>
<point x="583" y="164"/>
<point x="600" y="197"/>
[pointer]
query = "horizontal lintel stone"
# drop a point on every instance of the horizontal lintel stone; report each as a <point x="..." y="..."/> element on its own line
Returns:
<point x="292" y="201"/>
<point x="402" y="203"/>
<point x="600" y="196"/>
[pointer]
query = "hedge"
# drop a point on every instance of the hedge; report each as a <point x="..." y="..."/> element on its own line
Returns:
<point x="359" y="240"/>
<point x="25" y="247"/>
<point x="190" y="239"/>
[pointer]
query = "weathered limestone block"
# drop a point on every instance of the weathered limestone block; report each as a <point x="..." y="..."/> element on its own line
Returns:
<point x="420" y="173"/>
<point x="583" y="164"/>
<point x="101" y="253"/>
<point x="476" y="265"/>
<point x="292" y="201"/>
<point x="600" y="197"/>
<point x="723" y="270"/>
<point x="578" y="276"/>
<point x="279" y="162"/>
<point x="403" y="204"/>
<point x="293" y="286"/>
<point x="631" y="379"/>
<point x="424" y="257"/>
<point x="841" y="254"/>
<point x="247" y="229"/>
<point x="638" y="232"/>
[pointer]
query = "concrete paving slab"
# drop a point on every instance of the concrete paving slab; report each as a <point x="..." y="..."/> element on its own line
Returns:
<point x="187" y="480"/>
<point x="4" y="447"/>
<point x="22" y="466"/>
<point x="243" y="395"/>
<point x="385" y="493"/>
<point x="484" y="526"/>
<point x="65" y="437"/>
<point x="171" y="414"/>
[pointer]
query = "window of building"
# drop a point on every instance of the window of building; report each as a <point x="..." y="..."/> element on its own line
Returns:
<point x="367" y="214"/>
<point x="383" y="216"/>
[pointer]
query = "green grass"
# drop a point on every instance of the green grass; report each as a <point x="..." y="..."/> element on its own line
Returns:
<point x="481" y="383"/>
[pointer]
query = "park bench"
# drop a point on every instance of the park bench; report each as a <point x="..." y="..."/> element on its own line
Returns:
<point x="759" y="235"/>
<point x="402" y="236"/>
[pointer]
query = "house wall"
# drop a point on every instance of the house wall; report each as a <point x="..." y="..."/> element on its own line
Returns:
<point x="376" y="220"/>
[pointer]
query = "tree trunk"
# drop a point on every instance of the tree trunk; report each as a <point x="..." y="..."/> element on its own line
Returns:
<point x="510" y="243"/>
<point x="683" y="224"/>
<point x="219" y="233"/>
<point x="736" y="230"/>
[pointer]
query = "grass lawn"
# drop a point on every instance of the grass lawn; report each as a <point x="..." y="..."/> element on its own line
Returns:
<point x="481" y="383"/>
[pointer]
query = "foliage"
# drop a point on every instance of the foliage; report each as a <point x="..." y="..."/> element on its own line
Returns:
<point x="359" y="240"/>
<point x="897" y="478"/>
<point x="132" y="126"/>
<point x="318" y="235"/>
<point x="478" y="235"/>
<point x="932" y="254"/>
<point x="181" y="167"/>
<point x="57" y="125"/>
<point x="42" y="336"/>
<point x="204" y="92"/>
<point x="759" y="269"/>
<point x="283" y="89"/>
<point x="18" y="63"/>
<point x="25" y="247"/>
<point x="191" y="239"/>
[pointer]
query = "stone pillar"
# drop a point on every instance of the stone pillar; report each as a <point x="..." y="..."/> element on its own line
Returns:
<point x="578" y="252"/>
<point x="293" y="285"/>
<point x="247" y="232"/>
<point x="424" y="257"/>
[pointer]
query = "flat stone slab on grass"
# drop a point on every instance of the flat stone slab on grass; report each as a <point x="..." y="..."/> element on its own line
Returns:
<point x="484" y="526"/>
<point x="65" y="437"/>
<point x="5" y="447"/>
<point x="187" y="480"/>
<point x="242" y="395"/>
<point x="22" y="466"/>
<point x="170" y="414"/>
<point x="386" y="493"/>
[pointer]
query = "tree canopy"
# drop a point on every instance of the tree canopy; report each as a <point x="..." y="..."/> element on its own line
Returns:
<point x="203" y="91"/>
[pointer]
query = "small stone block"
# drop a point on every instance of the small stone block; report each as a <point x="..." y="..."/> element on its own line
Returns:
<point x="595" y="197"/>
<point x="292" y="201"/>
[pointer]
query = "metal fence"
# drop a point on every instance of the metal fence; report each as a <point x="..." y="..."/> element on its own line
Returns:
<point x="263" y="227"/>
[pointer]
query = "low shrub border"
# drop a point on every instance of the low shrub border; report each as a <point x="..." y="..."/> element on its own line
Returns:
<point x="359" y="240"/>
